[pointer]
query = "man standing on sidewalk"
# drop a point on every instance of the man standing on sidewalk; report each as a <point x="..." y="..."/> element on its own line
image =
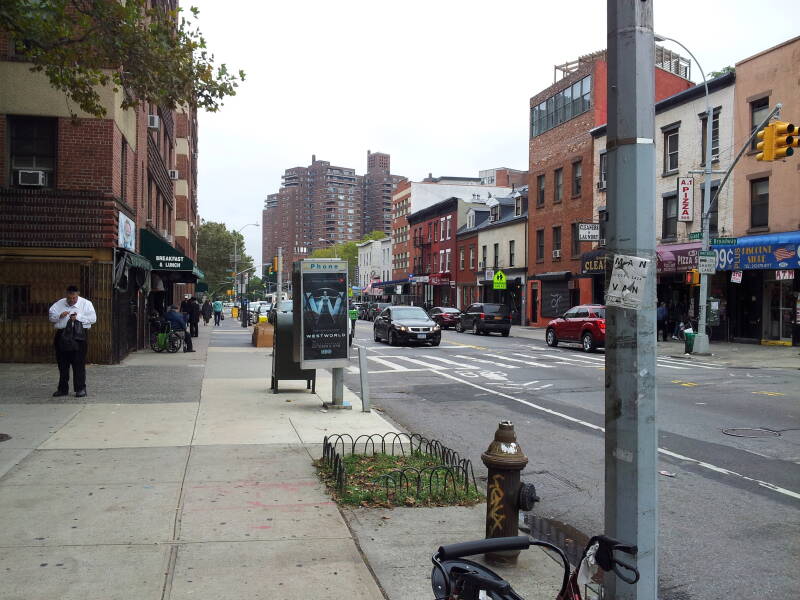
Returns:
<point x="217" y="312"/>
<point x="64" y="313"/>
<point x="194" y="317"/>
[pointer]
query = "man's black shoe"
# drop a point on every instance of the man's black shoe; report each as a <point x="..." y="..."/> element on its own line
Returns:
<point x="58" y="393"/>
<point x="80" y="394"/>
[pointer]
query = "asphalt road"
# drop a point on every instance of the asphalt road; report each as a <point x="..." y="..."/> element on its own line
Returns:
<point x="729" y="518"/>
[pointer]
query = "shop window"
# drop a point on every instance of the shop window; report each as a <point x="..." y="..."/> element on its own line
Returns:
<point x="759" y="203"/>
<point x="669" y="218"/>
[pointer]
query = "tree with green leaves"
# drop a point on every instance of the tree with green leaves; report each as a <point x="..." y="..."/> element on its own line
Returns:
<point x="215" y="249"/>
<point x="348" y="251"/>
<point x="721" y="72"/>
<point x="153" y="54"/>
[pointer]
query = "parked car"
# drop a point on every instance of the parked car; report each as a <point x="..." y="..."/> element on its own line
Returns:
<point x="375" y="309"/>
<point x="584" y="324"/>
<point x="445" y="316"/>
<point x="406" y="324"/>
<point x="284" y="306"/>
<point x="484" y="318"/>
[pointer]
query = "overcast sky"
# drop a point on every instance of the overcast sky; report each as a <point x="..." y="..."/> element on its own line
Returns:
<point x="441" y="85"/>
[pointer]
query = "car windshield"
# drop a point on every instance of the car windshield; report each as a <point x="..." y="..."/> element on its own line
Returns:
<point x="409" y="312"/>
<point x="495" y="309"/>
<point x="285" y="305"/>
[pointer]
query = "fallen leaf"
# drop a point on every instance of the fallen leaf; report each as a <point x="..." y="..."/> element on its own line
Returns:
<point x="667" y="474"/>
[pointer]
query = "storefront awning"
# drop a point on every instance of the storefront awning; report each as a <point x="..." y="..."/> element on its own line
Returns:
<point x="677" y="258"/>
<point x="772" y="251"/>
<point x="165" y="258"/>
<point x="553" y="276"/>
<point x="391" y="282"/>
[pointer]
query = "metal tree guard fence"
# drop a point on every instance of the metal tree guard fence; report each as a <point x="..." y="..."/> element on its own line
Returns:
<point x="453" y="475"/>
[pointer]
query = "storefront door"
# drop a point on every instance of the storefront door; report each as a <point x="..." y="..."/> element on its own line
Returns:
<point x="779" y="307"/>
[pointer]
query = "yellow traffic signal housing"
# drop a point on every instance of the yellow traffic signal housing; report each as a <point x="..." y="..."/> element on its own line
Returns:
<point x="766" y="147"/>
<point x="275" y="264"/>
<point x="784" y="141"/>
<point x="693" y="277"/>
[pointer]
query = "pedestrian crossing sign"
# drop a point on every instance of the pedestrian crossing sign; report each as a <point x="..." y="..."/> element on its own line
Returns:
<point x="499" y="281"/>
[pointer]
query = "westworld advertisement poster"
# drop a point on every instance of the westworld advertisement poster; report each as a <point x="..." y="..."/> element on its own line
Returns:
<point x="324" y="306"/>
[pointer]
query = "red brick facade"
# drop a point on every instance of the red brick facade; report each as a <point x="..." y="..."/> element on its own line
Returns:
<point x="432" y="252"/>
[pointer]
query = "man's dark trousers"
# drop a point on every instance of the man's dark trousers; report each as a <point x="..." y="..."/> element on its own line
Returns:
<point x="217" y="315"/>
<point x="193" y="330"/>
<point x="187" y="340"/>
<point x="76" y="360"/>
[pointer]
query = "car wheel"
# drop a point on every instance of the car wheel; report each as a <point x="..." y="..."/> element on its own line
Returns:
<point x="459" y="327"/>
<point x="505" y="333"/>
<point x="550" y="338"/>
<point x="392" y="338"/>
<point x="436" y="341"/>
<point x="588" y="342"/>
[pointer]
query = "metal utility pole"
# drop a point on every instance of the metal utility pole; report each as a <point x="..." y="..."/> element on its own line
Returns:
<point x="279" y="275"/>
<point x="630" y="408"/>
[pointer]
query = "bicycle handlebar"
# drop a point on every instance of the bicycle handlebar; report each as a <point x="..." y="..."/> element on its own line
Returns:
<point x="521" y="542"/>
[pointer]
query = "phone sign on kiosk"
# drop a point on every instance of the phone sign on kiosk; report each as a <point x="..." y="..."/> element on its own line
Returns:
<point x="321" y="319"/>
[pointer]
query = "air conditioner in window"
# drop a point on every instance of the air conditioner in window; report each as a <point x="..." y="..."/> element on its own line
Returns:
<point x="153" y="122"/>
<point x="173" y="174"/>
<point x="601" y="185"/>
<point x="556" y="253"/>
<point x="32" y="178"/>
<point x="602" y="241"/>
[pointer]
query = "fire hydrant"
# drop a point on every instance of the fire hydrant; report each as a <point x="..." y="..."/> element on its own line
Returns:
<point x="506" y="495"/>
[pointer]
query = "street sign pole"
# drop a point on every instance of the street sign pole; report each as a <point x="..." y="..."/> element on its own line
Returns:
<point x="630" y="401"/>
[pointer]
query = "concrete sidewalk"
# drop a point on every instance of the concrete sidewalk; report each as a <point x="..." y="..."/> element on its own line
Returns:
<point x="737" y="356"/>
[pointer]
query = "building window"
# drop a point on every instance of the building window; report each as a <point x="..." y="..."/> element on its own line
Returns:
<point x="575" y="242"/>
<point x="33" y="151"/>
<point x="669" y="221"/>
<point x="558" y="185"/>
<point x="577" y="170"/>
<point x="556" y="238"/>
<point x="510" y="253"/>
<point x="494" y="213"/>
<point x="483" y="257"/>
<point x="714" y="136"/>
<point x="670" y="151"/>
<point x="603" y="172"/>
<point x="713" y="215"/>
<point x="447" y="263"/>
<point x="461" y="259"/>
<point x="496" y="249"/>
<point x="759" y="202"/>
<point x="539" y="244"/>
<point x="540" y="190"/>
<point x="518" y="206"/>
<point x="441" y="229"/>
<point x="759" y="109"/>
<point x="123" y="171"/>
<point x="449" y="221"/>
<point x="472" y="258"/>
<point x="441" y="261"/>
<point x="562" y="106"/>
<point x="470" y="220"/>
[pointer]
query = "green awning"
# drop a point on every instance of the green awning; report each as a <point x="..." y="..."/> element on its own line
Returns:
<point x="164" y="257"/>
<point x="198" y="272"/>
<point x="138" y="261"/>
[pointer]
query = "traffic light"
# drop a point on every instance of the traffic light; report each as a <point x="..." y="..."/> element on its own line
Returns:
<point x="766" y="147"/>
<point x="275" y="264"/>
<point x="693" y="277"/>
<point x="777" y="141"/>
<point x="784" y="141"/>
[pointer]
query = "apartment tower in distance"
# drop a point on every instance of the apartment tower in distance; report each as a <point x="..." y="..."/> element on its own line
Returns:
<point x="379" y="185"/>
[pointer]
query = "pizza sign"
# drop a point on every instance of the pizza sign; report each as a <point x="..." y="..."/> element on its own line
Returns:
<point x="685" y="198"/>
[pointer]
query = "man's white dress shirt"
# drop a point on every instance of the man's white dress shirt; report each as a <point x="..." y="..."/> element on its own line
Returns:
<point x="83" y="307"/>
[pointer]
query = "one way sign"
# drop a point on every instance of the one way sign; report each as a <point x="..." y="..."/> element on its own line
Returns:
<point x="499" y="281"/>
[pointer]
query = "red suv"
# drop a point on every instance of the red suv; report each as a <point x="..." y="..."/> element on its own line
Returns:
<point x="584" y="324"/>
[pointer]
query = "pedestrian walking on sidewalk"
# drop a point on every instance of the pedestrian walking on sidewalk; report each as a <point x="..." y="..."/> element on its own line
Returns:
<point x="72" y="317"/>
<point x="217" y="312"/>
<point x="661" y="320"/>
<point x="178" y="322"/>
<point x="206" y="310"/>
<point x="194" y="317"/>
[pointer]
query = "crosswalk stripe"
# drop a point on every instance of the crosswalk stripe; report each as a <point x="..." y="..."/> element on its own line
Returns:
<point x="388" y="363"/>
<point x="422" y="363"/>
<point x="685" y="364"/>
<point x="525" y="362"/>
<point x="488" y="362"/>
<point x="451" y="362"/>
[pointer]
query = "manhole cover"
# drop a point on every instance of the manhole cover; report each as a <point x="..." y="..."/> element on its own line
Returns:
<point x="4" y="437"/>
<point x="751" y="432"/>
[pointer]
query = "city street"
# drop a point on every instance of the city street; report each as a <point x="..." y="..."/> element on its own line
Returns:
<point x="728" y="504"/>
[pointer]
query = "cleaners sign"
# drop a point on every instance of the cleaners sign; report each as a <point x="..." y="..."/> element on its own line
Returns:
<point x="685" y="198"/>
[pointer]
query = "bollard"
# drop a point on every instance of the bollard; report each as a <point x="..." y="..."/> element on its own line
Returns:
<point x="505" y="495"/>
<point x="363" y="371"/>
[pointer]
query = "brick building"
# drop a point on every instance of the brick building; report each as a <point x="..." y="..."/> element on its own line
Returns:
<point x="379" y="185"/>
<point x="560" y="169"/>
<point x="106" y="204"/>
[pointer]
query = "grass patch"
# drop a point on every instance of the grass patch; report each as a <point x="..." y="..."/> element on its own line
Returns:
<point x="365" y="487"/>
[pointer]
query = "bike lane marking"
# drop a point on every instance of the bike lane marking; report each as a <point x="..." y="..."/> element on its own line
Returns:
<point x="700" y="463"/>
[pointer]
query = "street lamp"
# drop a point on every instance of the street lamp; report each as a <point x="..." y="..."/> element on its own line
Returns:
<point x="701" y="338"/>
<point x="236" y="251"/>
